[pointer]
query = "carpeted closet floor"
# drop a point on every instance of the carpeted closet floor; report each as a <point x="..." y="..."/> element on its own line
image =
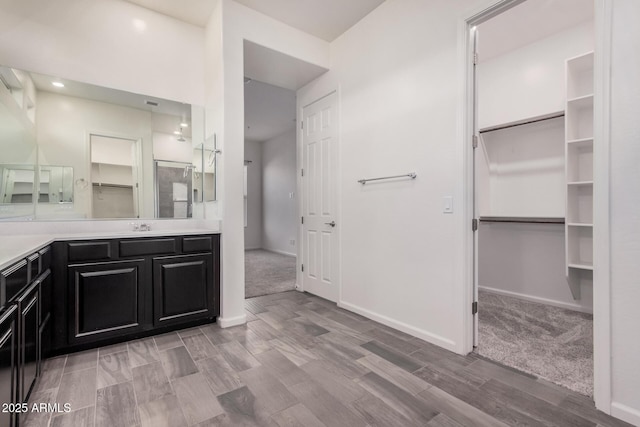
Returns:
<point x="268" y="273"/>
<point x="549" y="342"/>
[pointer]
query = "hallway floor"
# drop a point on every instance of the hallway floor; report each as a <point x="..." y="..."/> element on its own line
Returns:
<point x="268" y="273"/>
<point x="299" y="361"/>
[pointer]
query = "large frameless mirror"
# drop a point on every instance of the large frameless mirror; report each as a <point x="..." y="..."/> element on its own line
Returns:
<point x="74" y="150"/>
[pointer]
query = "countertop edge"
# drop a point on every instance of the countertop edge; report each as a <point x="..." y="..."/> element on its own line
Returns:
<point x="27" y="244"/>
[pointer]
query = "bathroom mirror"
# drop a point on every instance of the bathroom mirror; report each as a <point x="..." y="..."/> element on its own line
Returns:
<point x="17" y="183"/>
<point x="96" y="149"/>
<point x="204" y="179"/>
<point x="55" y="184"/>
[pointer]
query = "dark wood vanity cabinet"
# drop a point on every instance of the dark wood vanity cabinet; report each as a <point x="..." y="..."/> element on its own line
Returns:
<point x="8" y="362"/>
<point x="117" y="289"/>
<point x="29" y="349"/>
<point x="25" y="329"/>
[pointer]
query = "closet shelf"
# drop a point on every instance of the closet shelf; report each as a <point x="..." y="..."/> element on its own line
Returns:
<point x="580" y="183"/>
<point x="581" y="266"/>
<point x="526" y="121"/>
<point x="523" y="219"/>
<point x="579" y="224"/>
<point x="580" y="142"/>
<point x="581" y="101"/>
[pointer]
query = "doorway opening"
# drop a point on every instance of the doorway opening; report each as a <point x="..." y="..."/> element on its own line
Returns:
<point x="533" y="189"/>
<point x="270" y="205"/>
<point x="114" y="177"/>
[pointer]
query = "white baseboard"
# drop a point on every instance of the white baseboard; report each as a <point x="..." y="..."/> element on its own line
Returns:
<point x="418" y="333"/>
<point x="625" y="413"/>
<point x="574" y="307"/>
<point x="279" y="252"/>
<point x="252" y="249"/>
<point x="232" y="321"/>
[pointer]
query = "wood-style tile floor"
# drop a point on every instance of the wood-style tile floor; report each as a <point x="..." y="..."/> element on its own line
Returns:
<point x="299" y="361"/>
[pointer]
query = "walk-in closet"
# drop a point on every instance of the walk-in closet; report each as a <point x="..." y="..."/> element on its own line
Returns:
<point x="534" y="190"/>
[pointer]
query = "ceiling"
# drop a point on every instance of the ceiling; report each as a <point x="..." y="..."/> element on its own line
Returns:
<point x="269" y="111"/>
<point x="196" y="12"/>
<point x="111" y="96"/>
<point x="326" y="19"/>
<point x="530" y="21"/>
<point x="276" y="68"/>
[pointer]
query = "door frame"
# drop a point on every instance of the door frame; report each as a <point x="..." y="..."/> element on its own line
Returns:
<point x="601" y="238"/>
<point x="305" y="97"/>
<point x="139" y="173"/>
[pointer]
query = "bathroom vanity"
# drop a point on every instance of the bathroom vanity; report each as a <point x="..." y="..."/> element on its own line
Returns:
<point x="70" y="292"/>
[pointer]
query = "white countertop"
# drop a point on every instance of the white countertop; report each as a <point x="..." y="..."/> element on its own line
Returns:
<point x="14" y="247"/>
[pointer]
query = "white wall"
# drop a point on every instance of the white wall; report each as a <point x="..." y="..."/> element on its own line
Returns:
<point x="280" y="222"/>
<point x="228" y="27"/>
<point x="167" y="147"/>
<point x="401" y="260"/>
<point x="521" y="170"/>
<point x="530" y="80"/>
<point x="527" y="261"/>
<point x="110" y="43"/>
<point x="625" y="211"/>
<point x="253" y="230"/>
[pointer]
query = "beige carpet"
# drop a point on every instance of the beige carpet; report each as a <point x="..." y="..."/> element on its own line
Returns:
<point x="268" y="273"/>
<point x="549" y="342"/>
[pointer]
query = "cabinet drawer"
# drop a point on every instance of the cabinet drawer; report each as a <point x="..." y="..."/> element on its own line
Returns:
<point x="89" y="251"/>
<point x="12" y="280"/>
<point x="196" y="244"/>
<point x="34" y="265"/>
<point x="147" y="247"/>
<point x="45" y="259"/>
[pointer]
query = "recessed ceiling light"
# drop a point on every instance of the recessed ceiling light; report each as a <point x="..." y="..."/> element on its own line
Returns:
<point x="184" y="125"/>
<point x="58" y="84"/>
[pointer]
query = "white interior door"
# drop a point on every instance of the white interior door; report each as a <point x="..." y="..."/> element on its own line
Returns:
<point x="320" y="228"/>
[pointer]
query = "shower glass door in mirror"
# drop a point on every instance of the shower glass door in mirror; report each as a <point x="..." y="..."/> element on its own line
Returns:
<point x="174" y="186"/>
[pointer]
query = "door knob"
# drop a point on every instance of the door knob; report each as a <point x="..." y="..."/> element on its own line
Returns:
<point x="332" y="223"/>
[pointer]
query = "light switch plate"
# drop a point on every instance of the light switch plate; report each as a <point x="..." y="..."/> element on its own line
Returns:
<point x="447" y="204"/>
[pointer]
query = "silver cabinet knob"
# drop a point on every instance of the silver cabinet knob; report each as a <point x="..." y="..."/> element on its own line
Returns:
<point x="332" y="223"/>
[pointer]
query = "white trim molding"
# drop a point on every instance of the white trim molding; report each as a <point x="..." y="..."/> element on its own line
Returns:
<point x="625" y="413"/>
<point x="232" y="321"/>
<point x="392" y="323"/>
<point x="601" y="207"/>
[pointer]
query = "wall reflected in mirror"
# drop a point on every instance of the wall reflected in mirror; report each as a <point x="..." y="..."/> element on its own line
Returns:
<point x="16" y="185"/>
<point x="94" y="149"/>
<point x="55" y="184"/>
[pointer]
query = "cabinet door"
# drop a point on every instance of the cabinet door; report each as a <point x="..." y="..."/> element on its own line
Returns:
<point x="8" y="362"/>
<point x="13" y="280"/>
<point x="45" y="313"/>
<point x="183" y="289"/>
<point x="29" y="320"/>
<point x="105" y="300"/>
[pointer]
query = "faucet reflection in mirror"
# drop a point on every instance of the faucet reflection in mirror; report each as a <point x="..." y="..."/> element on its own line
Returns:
<point x="43" y="125"/>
